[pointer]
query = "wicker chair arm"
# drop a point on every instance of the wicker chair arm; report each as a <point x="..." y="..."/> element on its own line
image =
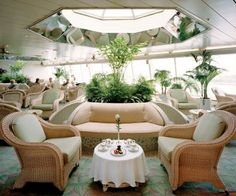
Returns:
<point x="184" y="131"/>
<point x="174" y="102"/>
<point x="224" y="98"/>
<point x="231" y="95"/>
<point x="58" y="131"/>
<point x="56" y="102"/>
<point x="37" y="100"/>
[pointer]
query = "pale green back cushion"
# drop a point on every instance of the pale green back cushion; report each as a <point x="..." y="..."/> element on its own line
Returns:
<point x="180" y="95"/>
<point x="50" y="96"/>
<point x="209" y="127"/>
<point x="27" y="128"/>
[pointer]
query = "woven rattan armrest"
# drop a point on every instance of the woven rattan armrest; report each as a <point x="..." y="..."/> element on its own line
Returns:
<point x="58" y="131"/>
<point x="179" y="131"/>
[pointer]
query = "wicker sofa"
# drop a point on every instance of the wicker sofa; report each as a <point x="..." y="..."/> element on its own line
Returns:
<point x="138" y="120"/>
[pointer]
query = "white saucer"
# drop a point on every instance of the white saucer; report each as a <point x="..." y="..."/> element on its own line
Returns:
<point x="102" y="149"/>
<point x="133" y="149"/>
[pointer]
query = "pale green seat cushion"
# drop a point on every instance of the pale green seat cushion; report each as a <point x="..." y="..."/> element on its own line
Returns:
<point x="189" y="105"/>
<point x="28" y="128"/>
<point x="50" y="96"/>
<point x="209" y="127"/>
<point x="43" y="106"/>
<point x="180" y="95"/>
<point x="167" y="144"/>
<point x="69" y="146"/>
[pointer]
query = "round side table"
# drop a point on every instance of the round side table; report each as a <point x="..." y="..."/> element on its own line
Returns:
<point x="125" y="170"/>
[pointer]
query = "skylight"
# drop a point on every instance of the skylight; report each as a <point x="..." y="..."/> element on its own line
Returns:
<point x="119" y="20"/>
<point x="117" y="14"/>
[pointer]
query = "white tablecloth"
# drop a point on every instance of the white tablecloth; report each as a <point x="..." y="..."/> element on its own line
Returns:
<point x="129" y="168"/>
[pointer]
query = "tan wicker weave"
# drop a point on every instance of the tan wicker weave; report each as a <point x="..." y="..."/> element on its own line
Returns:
<point x="229" y="107"/>
<point x="223" y="97"/>
<point x="196" y="161"/>
<point x="6" y="109"/>
<point x="41" y="162"/>
<point x="15" y="95"/>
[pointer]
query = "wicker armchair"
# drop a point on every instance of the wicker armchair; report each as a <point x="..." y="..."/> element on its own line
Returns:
<point x="77" y="92"/>
<point x="46" y="152"/>
<point x="181" y="100"/>
<point x="223" y="97"/>
<point x="32" y="93"/>
<point x="23" y="86"/>
<point x="172" y="113"/>
<point x="6" y="109"/>
<point x="62" y="115"/>
<point x="14" y="95"/>
<point x="13" y="103"/>
<point x="48" y="102"/>
<point x="190" y="153"/>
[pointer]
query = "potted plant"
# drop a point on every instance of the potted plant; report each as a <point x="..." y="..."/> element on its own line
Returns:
<point x="204" y="73"/>
<point x="112" y="88"/>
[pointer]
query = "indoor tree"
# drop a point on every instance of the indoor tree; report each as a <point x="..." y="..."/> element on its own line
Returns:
<point x="118" y="54"/>
<point x="112" y="88"/>
<point x="163" y="76"/>
<point x="204" y="72"/>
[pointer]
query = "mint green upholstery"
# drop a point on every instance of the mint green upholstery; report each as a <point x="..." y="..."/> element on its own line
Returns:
<point x="209" y="127"/>
<point x="167" y="145"/>
<point x="180" y="95"/>
<point x="27" y="128"/>
<point x="43" y="106"/>
<point x="69" y="146"/>
<point x="189" y="105"/>
<point x="50" y="96"/>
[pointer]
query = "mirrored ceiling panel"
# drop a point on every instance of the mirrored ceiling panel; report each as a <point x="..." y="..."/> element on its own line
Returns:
<point x="97" y="27"/>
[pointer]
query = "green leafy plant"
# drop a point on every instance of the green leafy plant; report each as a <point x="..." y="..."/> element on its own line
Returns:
<point x="17" y="67"/>
<point x="176" y="86"/>
<point x="95" y="89"/>
<point x="119" y="53"/>
<point x="143" y="90"/>
<point x="60" y="72"/>
<point x="204" y="72"/>
<point x="184" y="34"/>
<point x="117" y="91"/>
<point x="111" y="88"/>
<point x="163" y="76"/>
<point x="15" y="73"/>
<point x="184" y="83"/>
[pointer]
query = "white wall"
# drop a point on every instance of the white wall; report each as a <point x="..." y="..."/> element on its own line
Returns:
<point x="32" y="69"/>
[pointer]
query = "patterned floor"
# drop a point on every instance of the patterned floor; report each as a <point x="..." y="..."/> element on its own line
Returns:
<point x="80" y="185"/>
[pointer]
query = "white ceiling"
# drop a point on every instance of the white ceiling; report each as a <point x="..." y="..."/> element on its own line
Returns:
<point x="17" y="15"/>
